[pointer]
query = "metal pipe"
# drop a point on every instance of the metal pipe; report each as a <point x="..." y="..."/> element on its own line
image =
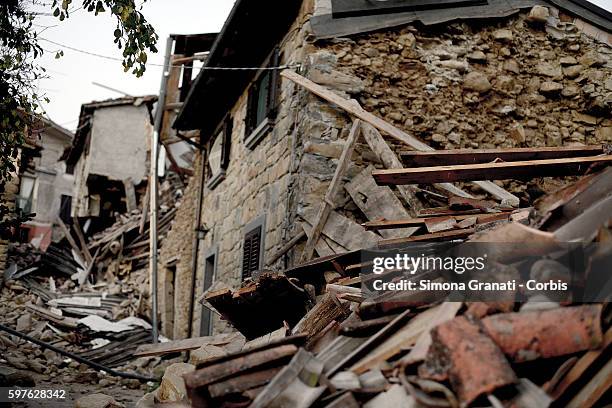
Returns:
<point x="196" y="248"/>
<point x="76" y="357"/>
<point x="159" y="113"/>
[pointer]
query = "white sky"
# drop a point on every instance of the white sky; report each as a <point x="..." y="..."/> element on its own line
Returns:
<point x="70" y="78"/>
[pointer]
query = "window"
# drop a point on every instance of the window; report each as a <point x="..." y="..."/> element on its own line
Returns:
<point x="252" y="251"/>
<point x="262" y="102"/>
<point x="66" y="209"/>
<point x="210" y="270"/>
<point x="219" y="155"/>
<point x="27" y="194"/>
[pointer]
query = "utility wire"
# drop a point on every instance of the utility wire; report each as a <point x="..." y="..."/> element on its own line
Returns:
<point x="93" y="54"/>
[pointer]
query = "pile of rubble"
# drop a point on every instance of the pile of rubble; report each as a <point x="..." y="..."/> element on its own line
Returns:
<point x="72" y="318"/>
<point x="318" y="337"/>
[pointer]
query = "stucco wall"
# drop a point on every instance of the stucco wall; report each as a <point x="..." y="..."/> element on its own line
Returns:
<point x="118" y="147"/>
<point x="53" y="182"/>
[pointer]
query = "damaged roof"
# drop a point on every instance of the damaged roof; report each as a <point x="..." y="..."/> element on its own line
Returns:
<point x="336" y="18"/>
<point x="72" y="153"/>
<point x="247" y="38"/>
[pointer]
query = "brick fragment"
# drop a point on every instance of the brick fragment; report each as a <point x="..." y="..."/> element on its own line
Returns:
<point x="527" y="336"/>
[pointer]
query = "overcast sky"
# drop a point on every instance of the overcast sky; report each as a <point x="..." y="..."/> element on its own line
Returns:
<point x="70" y="77"/>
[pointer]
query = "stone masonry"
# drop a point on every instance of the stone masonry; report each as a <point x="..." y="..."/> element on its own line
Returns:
<point x="514" y="82"/>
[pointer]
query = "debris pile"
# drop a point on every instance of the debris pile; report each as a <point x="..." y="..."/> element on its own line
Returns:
<point x="92" y="308"/>
<point x="339" y="346"/>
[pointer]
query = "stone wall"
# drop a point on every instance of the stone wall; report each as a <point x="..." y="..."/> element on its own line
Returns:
<point x="505" y="83"/>
<point x="174" y="269"/>
<point x="514" y="82"/>
<point x="258" y="182"/>
<point x="10" y="191"/>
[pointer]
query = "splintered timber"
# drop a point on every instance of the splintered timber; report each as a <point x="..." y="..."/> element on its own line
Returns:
<point x="474" y="284"/>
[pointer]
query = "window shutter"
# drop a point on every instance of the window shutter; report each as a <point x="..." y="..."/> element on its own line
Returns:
<point x="274" y="84"/>
<point x="227" y="143"/>
<point x="251" y="108"/>
<point x="251" y="252"/>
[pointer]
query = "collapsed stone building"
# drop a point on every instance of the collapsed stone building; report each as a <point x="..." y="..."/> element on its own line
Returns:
<point x="109" y="159"/>
<point x="522" y="73"/>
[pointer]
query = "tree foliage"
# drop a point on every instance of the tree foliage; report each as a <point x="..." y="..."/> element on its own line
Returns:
<point x="20" y="101"/>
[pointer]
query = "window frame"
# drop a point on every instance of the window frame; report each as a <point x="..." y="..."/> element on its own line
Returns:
<point x="224" y="130"/>
<point x="259" y="222"/>
<point x="213" y="252"/>
<point x="255" y="132"/>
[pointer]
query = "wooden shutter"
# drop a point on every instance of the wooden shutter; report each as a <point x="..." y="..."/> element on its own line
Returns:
<point x="227" y="143"/>
<point x="251" y="252"/>
<point x="273" y="89"/>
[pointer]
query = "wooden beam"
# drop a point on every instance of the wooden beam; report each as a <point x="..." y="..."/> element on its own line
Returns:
<point x="492" y="171"/>
<point x="386" y="156"/>
<point x="419" y="222"/>
<point x="178" y="346"/>
<point x="82" y="241"/>
<point x="328" y="202"/>
<point x="356" y="110"/>
<point x="69" y="238"/>
<point x="237" y="385"/>
<point x="436" y="236"/>
<point x="286" y="248"/>
<point x="216" y="372"/>
<point x="376" y="201"/>
<point x="475" y="156"/>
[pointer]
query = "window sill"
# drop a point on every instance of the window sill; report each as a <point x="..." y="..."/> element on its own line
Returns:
<point x="216" y="180"/>
<point x="258" y="134"/>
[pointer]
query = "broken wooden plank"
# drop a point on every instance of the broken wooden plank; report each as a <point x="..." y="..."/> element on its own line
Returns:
<point x="380" y="147"/>
<point x="70" y="239"/>
<point x="346" y="400"/>
<point x="375" y="201"/>
<point x="595" y="389"/>
<point x="328" y="202"/>
<point x="178" y="346"/>
<point x="439" y="224"/>
<point x="345" y="232"/>
<point x="490" y="171"/>
<point x="581" y="366"/>
<point x="216" y="372"/>
<point x="356" y="110"/>
<point x="413" y="222"/>
<point x="586" y="225"/>
<point x="286" y="248"/>
<point x="436" y="236"/>
<point x="243" y="382"/>
<point x="323" y="313"/>
<point x="373" y="341"/>
<point x="82" y="241"/>
<point x="389" y="159"/>
<point x="401" y="340"/>
<point x="289" y="385"/>
<point x="474" y="156"/>
<point x="130" y="195"/>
